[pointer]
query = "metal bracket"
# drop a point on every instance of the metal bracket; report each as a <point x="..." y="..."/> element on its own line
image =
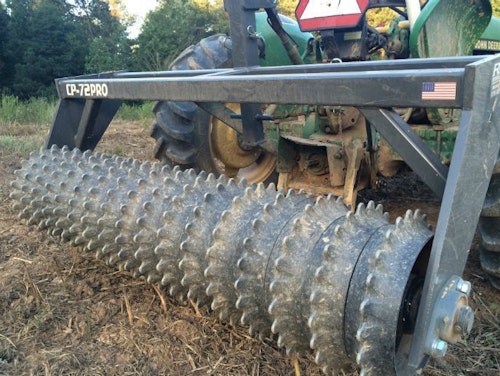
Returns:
<point x="80" y="123"/>
<point x="474" y="156"/>
<point x="451" y="318"/>
<point x="245" y="53"/>
<point x="411" y="147"/>
<point x="258" y="4"/>
<point x="222" y="113"/>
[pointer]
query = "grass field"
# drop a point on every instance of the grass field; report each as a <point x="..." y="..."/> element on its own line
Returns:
<point x="24" y="125"/>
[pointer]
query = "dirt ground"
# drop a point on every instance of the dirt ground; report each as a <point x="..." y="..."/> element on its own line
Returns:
<point x="62" y="312"/>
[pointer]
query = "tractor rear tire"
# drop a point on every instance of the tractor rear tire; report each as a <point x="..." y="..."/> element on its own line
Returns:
<point x="184" y="132"/>
<point x="489" y="229"/>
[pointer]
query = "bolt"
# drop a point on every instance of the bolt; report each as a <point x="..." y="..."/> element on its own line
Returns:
<point x="438" y="348"/>
<point x="465" y="320"/>
<point x="464" y="286"/>
<point x="252" y="34"/>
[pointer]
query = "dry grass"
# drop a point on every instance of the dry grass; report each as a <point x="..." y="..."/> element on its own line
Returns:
<point x="64" y="313"/>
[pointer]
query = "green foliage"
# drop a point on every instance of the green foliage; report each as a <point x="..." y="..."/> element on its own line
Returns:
<point x="40" y="111"/>
<point x="20" y="146"/>
<point x="287" y="7"/>
<point x="24" y="124"/>
<point x="108" y="46"/>
<point x="136" y="112"/>
<point x="109" y="53"/>
<point x="36" y="111"/>
<point x="495" y="4"/>
<point x="4" y="21"/>
<point x="172" y="27"/>
<point x="52" y="49"/>
<point x="50" y="46"/>
<point x="47" y="39"/>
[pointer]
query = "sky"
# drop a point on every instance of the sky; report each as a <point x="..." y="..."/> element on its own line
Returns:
<point x="138" y="8"/>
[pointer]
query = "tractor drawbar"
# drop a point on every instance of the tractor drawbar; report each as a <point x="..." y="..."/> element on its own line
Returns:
<point x="324" y="279"/>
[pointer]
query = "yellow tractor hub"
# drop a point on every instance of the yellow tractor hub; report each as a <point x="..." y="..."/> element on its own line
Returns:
<point x="253" y="164"/>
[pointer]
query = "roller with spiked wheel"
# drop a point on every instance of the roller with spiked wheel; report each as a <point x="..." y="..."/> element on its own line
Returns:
<point x="322" y="278"/>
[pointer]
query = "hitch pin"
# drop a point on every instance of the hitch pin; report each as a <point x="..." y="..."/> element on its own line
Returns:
<point x="252" y="34"/>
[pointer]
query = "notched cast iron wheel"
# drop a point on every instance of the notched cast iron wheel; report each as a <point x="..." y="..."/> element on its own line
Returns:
<point x="189" y="137"/>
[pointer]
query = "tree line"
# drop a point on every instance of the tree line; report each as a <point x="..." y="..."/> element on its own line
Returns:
<point x="41" y="40"/>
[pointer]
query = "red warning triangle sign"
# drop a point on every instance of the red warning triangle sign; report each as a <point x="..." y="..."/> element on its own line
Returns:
<point x="329" y="14"/>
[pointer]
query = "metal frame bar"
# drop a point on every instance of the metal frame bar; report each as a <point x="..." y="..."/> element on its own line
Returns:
<point x="80" y="123"/>
<point x="474" y="156"/>
<point x="414" y="151"/>
<point x="243" y="35"/>
<point x="377" y="88"/>
<point x="379" y="84"/>
<point x="362" y="66"/>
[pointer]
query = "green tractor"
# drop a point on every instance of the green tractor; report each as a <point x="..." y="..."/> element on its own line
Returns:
<point x="190" y="137"/>
<point x="320" y="108"/>
<point x="323" y="149"/>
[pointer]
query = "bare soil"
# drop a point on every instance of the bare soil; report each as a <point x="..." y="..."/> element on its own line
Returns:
<point x="62" y="312"/>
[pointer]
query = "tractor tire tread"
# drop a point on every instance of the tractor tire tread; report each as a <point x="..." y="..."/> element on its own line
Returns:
<point x="181" y="128"/>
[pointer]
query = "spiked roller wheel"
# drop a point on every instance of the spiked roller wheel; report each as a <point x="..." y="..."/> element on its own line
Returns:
<point x="342" y="285"/>
<point x="300" y="256"/>
<point x="331" y="283"/>
<point x="228" y="237"/>
<point x="197" y="238"/>
<point x="383" y="296"/>
<point x="258" y="258"/>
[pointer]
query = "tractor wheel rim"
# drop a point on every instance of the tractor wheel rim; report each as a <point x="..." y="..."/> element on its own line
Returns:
<point x="230" y="159"/>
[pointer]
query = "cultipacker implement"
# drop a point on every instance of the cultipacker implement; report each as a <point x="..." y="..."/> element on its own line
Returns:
<point x="324" y="274"/>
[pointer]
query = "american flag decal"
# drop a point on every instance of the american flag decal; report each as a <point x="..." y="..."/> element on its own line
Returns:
<point x="439" y="91"/>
